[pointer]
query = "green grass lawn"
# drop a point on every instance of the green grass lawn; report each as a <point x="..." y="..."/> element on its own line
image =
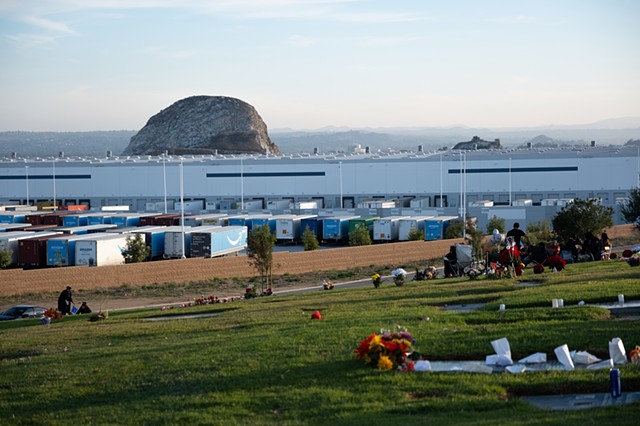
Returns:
<point x="264" y="361"/>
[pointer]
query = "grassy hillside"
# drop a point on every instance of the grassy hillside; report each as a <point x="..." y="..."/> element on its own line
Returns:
<point x="264" y="361"/>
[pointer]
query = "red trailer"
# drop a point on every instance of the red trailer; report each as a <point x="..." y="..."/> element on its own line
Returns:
<point x="33" y="251"/>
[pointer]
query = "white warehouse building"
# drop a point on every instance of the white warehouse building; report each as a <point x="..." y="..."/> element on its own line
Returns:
<point x="487" y="179"/>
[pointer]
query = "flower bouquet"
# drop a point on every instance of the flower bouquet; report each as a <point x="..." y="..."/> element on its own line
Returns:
<point x="555" y="262"/>
<point x="399" y="276"/>
<point x="376" y="279"/>
<point x="387" y="350"/>
<point x="53" y="314"/>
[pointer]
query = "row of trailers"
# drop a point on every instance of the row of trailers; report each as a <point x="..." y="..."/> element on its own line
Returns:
<point x="98" y="239"/>
<point x="104" y="245"/>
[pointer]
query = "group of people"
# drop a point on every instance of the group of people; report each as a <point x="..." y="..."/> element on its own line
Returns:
<point x="65" y="301"/>
<point x="589" y="248"/>
<point x="517" y="252"/>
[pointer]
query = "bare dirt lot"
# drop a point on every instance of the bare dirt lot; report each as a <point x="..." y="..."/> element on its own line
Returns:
<point x="25" y="285"/>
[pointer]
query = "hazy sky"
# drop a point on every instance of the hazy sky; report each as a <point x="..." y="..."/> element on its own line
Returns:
<point x="72" y="65"/>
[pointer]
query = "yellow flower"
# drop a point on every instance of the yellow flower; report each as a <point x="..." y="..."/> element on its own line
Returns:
<point x="384" y="363"/>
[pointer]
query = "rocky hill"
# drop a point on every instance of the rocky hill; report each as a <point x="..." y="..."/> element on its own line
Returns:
<point x="204" y="125"/>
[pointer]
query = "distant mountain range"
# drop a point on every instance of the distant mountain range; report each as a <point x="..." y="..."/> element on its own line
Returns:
<point x="339" y="139"/>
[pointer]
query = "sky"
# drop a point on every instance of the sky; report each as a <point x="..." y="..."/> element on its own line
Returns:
<point x="82" y="65"/>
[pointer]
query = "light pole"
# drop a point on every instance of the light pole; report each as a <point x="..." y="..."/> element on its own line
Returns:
<point x="241" y="184"/>
<point x="164" y="179"/>
<point x="340" y="167"/>
<point x="26" y="174"/>
<point x="184" y="255"/>
<point x="440" y="180"/>
<point x="464" y="196"/>
<point x="510" y="200"/>
<point x="55" y="204"/>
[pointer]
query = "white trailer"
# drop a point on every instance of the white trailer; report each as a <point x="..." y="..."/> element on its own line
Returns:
<point x="308" y="204"/>
<point x="288" y="226"/>
<point x="190" y="206"/>
<point x="409" y="223"/>
<point x="278" y="204"/>
<point x="387" y="228"/>
<point x="377" y="204"/>
<point x="174" y="242"/>
<point x="104" y="249"/>
<point x="420" y="203"/>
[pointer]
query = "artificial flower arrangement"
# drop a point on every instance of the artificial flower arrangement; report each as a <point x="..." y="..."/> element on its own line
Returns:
<point x="388" y="350"/>
<point x="52" y="313"/>
<point x="555" y="262"/>
<point x="376" y="279"/>
<point x="634" y="355"/>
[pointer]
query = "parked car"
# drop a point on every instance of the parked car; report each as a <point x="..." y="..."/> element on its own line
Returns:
<point x="23" y="311"/>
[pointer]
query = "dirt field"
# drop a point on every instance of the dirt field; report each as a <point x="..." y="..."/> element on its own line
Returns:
<point x="39" y="285"/>
<point x="17" y="281"/>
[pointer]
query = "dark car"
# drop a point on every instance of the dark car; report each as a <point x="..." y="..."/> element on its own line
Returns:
<point x="23" y="311"/>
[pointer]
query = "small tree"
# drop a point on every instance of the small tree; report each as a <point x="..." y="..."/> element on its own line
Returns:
<point x="496" y="223"/>
<point x="539" y="232"/>
<point x="360" y="237"/>
<point x="416" y="234"/>
<point x="454" y="230"/>
<point x="135" y="250"/>
<point x="6" y="255"/>
<point x="309" y="240"/>
<point x="260" y="242"/>
<point x="631" y="208"/>
<point x="581" y="216"/>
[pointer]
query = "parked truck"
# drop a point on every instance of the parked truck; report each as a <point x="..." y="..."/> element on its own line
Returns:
<point x="153" y="238"/>
<point x="32" y="252"/>
<point x="178" y="237"/>
<point x="11" y="240"/>
<point x="62" y="251"/>
<point x="387" y="228"/>
<point x="436" y="227"/>
<point x="218" y="241"/>
<point x="289" y="227"/>
<point x="336" y="228"/>
<point x="101" y="250"/>
<point x="410" y="223"/>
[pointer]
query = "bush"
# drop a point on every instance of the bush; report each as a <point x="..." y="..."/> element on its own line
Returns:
<point x="496" y="223"/>
<point x="309" y="240"/>
<point x="5" y="258"/>
<point x="360" y="237"/>
<point x="416" y="234"/>
<point x="582" y="216"/>
<point x="135" y="250"/>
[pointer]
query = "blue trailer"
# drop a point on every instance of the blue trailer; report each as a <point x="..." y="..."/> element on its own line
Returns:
<point x="153" y="237"/>
<point x="256" y="221"/>
<point x="237" y="220"/>
<point x="314" y="224"/>
<point x="62" y="251"/>
<point x="218" y="241"/>
<point x="13" y="217"/>
<point x="75" y="220"/>
<point x="336" y="228"/>
<point x="125" y="219"/>
<point x="99" y="218"/>
<point x="435" y="228"/>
